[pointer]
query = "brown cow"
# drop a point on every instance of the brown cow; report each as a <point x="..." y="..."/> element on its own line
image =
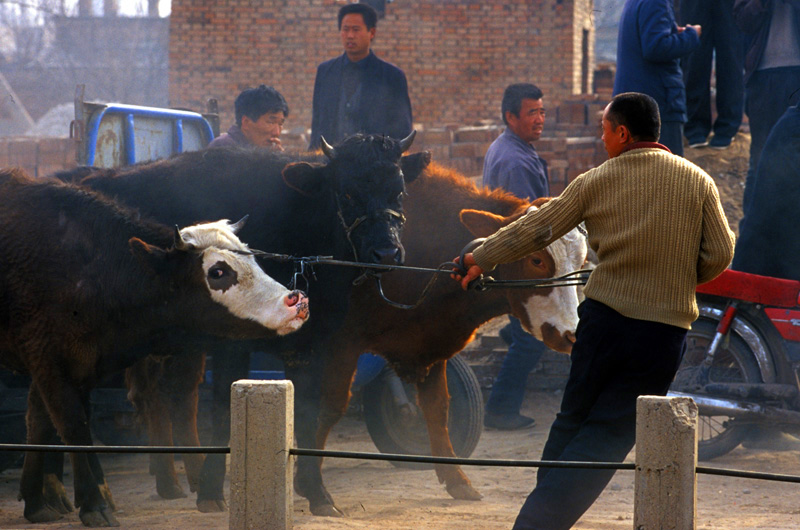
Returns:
<point x="82" y="295"/>
<point x="416" y="342"/>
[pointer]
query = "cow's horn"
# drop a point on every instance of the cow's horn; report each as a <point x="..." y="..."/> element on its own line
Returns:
<point x="179" y="243"/>
<point x="406" y="142"/>
<point x="238" y="225"/>
<point x="327" y="148"/>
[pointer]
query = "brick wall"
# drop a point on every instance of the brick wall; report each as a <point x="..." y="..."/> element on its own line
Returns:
<point x="37" y="156"/>
<point x="458" y="56"/>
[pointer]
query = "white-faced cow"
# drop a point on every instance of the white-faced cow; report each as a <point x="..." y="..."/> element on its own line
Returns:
<point x="347" y="205"/>
<point x="85" y="287"/>
<point x="416" y="342"/>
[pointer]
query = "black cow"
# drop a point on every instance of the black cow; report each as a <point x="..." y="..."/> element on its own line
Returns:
<point x="349" y="208"/>
<point x="85" y="287"/>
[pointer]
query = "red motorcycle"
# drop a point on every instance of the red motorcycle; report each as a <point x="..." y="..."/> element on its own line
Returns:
<point x="742" y="359"/>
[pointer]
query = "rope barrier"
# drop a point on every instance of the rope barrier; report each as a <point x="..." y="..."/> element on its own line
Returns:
<point x="485" y="462"/>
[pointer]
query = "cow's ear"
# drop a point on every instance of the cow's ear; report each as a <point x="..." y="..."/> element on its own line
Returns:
<point x="481" y="223"/>
<point x="303" y="177"/>
<point x="413" y="165"/>
<point x="152" y="257"/>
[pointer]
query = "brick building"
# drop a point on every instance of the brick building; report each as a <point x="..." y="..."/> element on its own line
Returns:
<point x="458" y="56"/>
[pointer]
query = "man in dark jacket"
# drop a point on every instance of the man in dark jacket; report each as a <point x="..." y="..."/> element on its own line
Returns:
<point x="649" y="47"/>
<point x="768" y="242"/>
<point x="260" y="114"/>
<point x="771" y="70"/>
<point x="357" y="92"/>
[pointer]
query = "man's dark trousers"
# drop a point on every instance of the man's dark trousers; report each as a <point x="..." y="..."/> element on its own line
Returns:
<point x="615" y="359"/>
<point x="722" y="42"/>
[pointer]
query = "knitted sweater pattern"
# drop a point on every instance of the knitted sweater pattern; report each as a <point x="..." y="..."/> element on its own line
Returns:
<point x="656" y="223"/>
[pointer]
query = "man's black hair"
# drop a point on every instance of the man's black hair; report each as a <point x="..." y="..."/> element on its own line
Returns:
<point x="366" y="11"/>
<point x="255" y="102"/>
<point x="513" y="96"/>
<point x="639" y="113"/>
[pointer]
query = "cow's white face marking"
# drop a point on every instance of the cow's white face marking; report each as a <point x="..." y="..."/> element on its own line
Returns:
<point x="236" y="281"/>
<point x="559" y="308"/>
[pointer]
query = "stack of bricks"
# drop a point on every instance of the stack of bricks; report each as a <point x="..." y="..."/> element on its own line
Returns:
<point x="37" y="156"/>
<point x="458" y="56"/>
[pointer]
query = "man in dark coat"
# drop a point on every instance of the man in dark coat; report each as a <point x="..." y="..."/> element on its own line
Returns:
<point x="649" y="47"/>
<point x="768" y="243"/>
<point x="260" y="114"/>
<point x="357" y="92"/>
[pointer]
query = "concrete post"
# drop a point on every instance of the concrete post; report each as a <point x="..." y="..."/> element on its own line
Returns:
<point x="262" y="431"/>
<point x="666" y="459"/>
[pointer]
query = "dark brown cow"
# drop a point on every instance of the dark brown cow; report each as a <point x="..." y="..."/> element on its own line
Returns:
<point x="417" y="342"/>
<point x="82" y="295"/>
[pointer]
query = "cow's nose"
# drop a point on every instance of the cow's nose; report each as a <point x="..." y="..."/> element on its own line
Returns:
<point x="295" y="297"/>
<point x="570" y="336"/>
<point x="388" y="256"/>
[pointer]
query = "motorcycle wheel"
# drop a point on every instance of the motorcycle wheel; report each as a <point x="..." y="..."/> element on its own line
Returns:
<point x="398" y="432"/>
<point x="733" y="363"/>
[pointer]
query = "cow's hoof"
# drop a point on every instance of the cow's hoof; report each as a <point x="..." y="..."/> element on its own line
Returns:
<point x="169" y="490"/>
<point x="212" y="505"/>
<point x="464" y="492"/>
<point x="105" y="491"/>
<point x="327" y="510"/>
<point x="99" y="518"/>
<point x="45" y="514"/>
<point x="55" y="495"/>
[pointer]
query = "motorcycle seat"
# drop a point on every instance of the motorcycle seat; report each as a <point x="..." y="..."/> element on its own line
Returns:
<point x="766" y="290"/>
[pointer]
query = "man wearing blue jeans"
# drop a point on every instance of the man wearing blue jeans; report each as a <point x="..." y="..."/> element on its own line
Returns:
<point x="513" y="164"/>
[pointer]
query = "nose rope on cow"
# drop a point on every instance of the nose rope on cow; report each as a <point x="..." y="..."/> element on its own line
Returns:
<point x="304" y="266"/>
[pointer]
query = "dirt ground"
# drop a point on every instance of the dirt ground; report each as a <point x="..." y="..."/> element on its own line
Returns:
<point x="376" y="495"/>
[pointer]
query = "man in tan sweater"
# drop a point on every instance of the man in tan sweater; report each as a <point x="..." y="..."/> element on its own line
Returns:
<point x="656" y="223"/>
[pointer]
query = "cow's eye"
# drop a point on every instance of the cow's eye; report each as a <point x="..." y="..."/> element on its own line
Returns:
<point x="537" y="261"/>
<point x="216" y="273"/>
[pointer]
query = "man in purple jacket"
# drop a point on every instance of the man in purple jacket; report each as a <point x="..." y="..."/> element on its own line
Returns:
<point x="513" y="164"/>
<point x="260" y="114"/>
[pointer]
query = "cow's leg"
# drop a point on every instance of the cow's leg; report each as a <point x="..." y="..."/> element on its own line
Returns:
<point x="40" y="431"/>
<point x="228" y="366"/>
<point x="434" y="401"/>
<point x="183" y="391"/>
<point x="94" y="461"/>
<point x="54" y="492"/>
<point x="145" y="381"/>
<point x="307" y="380"/>
<point x="66" y="406"/>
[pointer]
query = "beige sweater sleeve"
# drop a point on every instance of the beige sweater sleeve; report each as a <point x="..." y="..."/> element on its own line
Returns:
<point x="716" y="246"/>
<point x="533" y="231"/>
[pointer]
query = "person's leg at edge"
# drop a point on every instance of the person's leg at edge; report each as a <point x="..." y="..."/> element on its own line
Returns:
<point x="697" y="73"/>
<point x="508" y="389"/>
